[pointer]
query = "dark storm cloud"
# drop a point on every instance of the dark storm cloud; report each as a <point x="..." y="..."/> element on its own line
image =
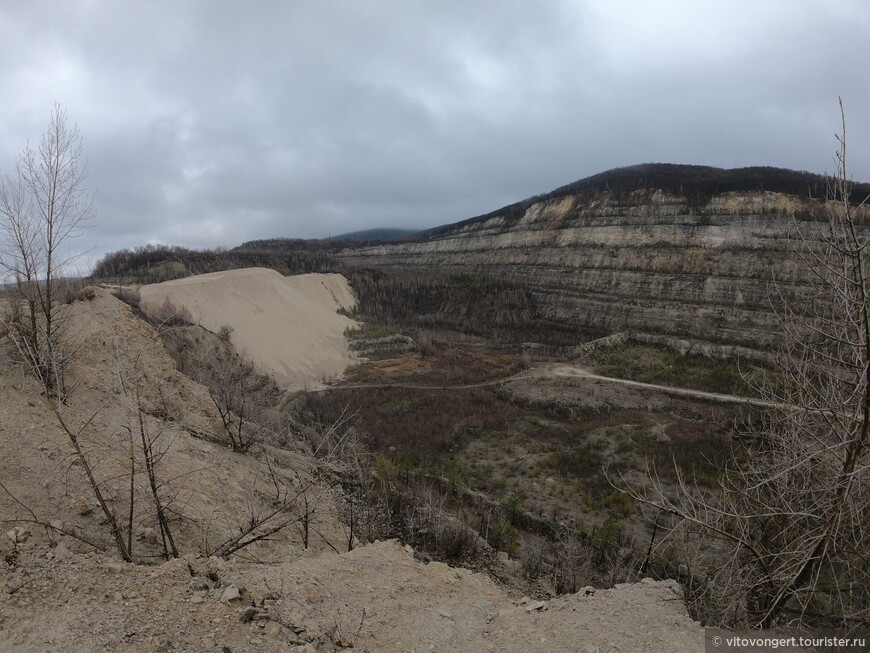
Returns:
<point x="211" y="123"/>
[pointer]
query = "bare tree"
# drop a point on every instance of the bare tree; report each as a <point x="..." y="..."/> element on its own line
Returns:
<point x="232" y="383"/>
<point x="146" y="450"/>
<point x="292" y="504"/>
<point x="793" y="509"/>
<point x="42" y="207"/>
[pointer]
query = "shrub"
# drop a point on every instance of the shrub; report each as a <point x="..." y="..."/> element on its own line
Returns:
<point x="504" y="536"/>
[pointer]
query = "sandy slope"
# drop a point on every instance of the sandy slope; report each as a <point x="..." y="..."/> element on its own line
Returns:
<point x="287" y="325"/>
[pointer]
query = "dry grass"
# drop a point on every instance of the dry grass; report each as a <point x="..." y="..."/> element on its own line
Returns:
<point x="527" y="476"/>
<point x="445" y="364"/>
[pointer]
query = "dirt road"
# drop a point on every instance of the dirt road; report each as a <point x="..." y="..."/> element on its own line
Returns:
<point x="549" y="372"/>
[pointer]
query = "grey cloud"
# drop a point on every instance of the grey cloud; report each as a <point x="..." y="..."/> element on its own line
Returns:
<point x="211" y="123"/>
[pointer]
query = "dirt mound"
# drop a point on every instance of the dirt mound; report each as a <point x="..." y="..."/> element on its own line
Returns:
<point x="288" y="326"/>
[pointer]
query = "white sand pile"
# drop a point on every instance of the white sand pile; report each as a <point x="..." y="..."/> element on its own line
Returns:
<point x="288" y="326"/>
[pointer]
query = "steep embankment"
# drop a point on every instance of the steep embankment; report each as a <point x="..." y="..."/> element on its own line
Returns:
<point x="125" y="394"/>
<point x="288" y="326"/>
<point x="642" y="259"/>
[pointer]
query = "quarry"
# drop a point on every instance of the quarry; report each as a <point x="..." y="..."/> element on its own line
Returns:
<point x="473" y="439"/>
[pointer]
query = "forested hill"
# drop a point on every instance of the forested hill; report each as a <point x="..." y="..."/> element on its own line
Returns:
<point x="381" y="234"/>
<point x="697" y="184"/>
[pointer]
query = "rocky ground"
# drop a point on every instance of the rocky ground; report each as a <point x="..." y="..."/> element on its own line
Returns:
<point x="375" y="598"/>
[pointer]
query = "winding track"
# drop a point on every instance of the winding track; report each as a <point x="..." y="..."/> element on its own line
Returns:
<point x="554" y="371"/>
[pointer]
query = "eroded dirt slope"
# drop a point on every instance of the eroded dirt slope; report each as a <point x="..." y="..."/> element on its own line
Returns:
<point x="121" y="373"/>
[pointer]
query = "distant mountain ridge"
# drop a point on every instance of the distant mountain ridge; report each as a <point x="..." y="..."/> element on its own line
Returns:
<point x="376" y="234"/>
<point x="683" y="254"/>
<point x="698" y="184"/>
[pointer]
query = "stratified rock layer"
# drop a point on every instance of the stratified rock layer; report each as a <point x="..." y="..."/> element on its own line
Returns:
<point x="642" y="261"/>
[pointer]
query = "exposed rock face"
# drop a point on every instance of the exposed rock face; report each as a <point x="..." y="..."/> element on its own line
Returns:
<point x="643" y="260"/>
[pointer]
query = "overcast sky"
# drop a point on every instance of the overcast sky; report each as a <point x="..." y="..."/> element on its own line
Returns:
<point x="208" y="123"/>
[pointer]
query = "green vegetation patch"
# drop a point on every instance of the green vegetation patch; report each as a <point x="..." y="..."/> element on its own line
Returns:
<point x="370" y="332"/>
<point x="578" y="461"/>
<point x="661" y="366"/>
